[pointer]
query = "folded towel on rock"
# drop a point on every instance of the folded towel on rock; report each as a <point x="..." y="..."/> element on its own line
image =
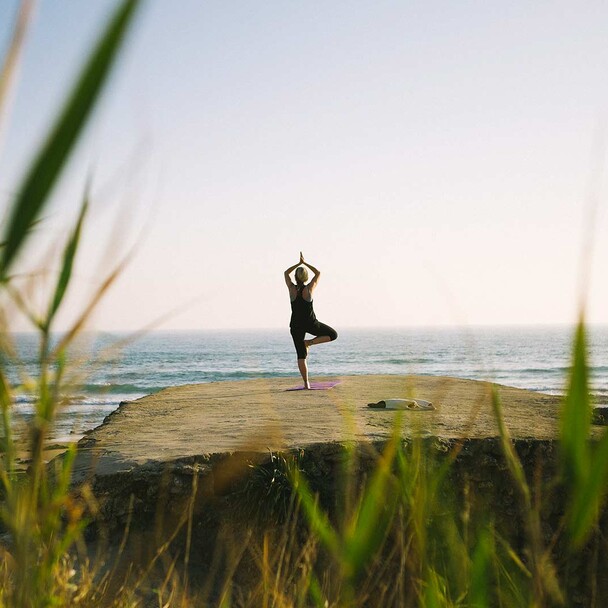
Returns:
<point x="402" y="404"/>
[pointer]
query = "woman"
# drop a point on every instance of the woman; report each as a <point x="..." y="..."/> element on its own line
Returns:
<point x="303" y="318"/>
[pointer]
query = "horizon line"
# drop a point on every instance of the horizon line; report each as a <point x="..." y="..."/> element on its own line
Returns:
<point x="531" y="325"/>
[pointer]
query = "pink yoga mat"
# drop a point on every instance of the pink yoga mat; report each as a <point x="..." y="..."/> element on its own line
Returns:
<point x="316" y="386"/>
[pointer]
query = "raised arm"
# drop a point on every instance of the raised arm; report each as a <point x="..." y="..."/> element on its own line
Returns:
<point x="288" y="272"/>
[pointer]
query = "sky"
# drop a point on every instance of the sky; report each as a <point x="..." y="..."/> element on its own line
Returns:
<point x="442" y="163"/>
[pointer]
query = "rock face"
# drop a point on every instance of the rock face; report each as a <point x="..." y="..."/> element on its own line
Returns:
<point x="224" y="480"/>
<point x="600" y="415"/>
<point x="221" y="453"/>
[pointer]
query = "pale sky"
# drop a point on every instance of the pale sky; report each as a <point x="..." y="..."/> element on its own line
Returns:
<point x="434" y="159"/>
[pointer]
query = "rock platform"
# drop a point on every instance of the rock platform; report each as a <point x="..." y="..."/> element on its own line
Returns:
<point x="260" y="415"/>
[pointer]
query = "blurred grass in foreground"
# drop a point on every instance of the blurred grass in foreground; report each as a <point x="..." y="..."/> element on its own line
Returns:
<point x="400" y="534"/>
<point x="41" y="520"/>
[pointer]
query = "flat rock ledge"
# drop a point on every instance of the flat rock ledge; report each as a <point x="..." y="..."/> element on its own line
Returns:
<point x="260" y="415"/>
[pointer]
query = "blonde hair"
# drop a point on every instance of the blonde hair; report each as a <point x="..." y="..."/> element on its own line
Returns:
<point x="301" y="274"/>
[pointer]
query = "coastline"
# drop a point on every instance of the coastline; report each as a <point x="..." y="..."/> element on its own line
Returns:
<point x="533" y="358"/>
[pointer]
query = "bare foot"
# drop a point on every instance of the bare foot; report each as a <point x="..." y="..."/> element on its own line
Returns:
<point x="307" y="344"/>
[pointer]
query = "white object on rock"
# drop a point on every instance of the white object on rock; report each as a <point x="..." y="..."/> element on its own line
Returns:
<point x="402" y="404"/>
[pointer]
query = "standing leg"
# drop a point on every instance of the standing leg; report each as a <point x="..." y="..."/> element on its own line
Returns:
<point x="303" y="367"/>
<point x="302" y="350"/>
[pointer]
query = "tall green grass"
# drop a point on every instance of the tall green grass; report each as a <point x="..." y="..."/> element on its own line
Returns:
<point x="403" y="531"/>
<point x="40" y="517"/>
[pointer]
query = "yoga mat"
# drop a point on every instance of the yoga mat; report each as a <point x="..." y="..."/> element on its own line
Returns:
<point x="315" y="386"/>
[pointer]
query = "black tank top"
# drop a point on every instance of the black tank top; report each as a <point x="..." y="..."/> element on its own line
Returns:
<point x="301" y="311"/>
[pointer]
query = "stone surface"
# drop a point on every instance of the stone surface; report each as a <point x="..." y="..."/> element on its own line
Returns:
<point x="259" y="415"/>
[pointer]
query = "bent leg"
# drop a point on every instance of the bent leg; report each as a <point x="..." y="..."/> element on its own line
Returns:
<point x="322" y="332"/>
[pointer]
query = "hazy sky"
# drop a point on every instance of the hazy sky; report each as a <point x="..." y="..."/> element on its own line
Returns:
<point x="434" y="159"/>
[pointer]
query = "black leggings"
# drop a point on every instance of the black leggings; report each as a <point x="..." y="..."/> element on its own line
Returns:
<point x="316" y="329"/>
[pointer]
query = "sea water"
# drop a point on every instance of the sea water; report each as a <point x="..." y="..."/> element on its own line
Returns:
<point x="118" y="367"/>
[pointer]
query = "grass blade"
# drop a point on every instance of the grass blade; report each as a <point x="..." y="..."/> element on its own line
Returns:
<point x="374" y="517"/>
<point x="13" y="53"/>
<point x="481" y="570"/>
<point x="67" y="265"/>
<point x="88" y="310"/>
<point x="317" y="519"/>
<point x="8" y="447"/>
<point x="584" y="466"/>
<point x="51" y="158"/>
<point x="586" y="503"/>
<point x="513" y="461"/>
<point x="575" y="419"/>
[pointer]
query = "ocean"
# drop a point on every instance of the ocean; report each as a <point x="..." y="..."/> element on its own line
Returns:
<point x="535" y="358"/>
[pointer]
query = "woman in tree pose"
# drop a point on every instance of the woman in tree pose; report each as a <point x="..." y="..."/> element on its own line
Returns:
<point x="303" y="319"/>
